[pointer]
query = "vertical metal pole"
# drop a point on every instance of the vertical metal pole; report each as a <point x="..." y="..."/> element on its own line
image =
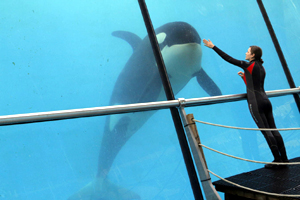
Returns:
<point x="279" y="51"/>
<point x="198" y="155"/>
<point x="170" y="96"/>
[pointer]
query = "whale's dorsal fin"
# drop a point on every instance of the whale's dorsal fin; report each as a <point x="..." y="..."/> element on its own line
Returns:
<point x="131" y="38"/>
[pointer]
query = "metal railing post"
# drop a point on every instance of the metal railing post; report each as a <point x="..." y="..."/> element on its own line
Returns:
<point x="198" y="155"/>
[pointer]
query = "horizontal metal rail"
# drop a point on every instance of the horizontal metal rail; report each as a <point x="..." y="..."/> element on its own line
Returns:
<point x="236" y="97"/>
<point x="138" y="107"/>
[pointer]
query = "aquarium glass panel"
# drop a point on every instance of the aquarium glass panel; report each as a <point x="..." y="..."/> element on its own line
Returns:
<point x="232" y="25"/>
<point x="285" y="18"/>
<point x="55" y="160"/>
<point x="63" y="55"/>
<point x="59" y="55"/>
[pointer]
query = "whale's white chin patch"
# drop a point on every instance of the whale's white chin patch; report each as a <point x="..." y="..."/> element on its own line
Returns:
<point x="182" y="57"/>
<point x="182" y="62"/>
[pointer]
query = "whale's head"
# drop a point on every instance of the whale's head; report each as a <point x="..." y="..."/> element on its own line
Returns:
<point x="180" y="46"/>
<point x="177" y="33"/>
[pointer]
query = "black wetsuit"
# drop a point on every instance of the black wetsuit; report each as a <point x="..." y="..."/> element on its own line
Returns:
<point x="259" y="105"/>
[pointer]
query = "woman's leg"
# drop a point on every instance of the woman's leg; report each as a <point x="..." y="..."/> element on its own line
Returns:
<point x="262" y="122"/>
<point x="277" y="135"/>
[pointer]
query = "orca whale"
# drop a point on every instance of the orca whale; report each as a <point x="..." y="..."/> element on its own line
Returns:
<point x="140" y="82"/>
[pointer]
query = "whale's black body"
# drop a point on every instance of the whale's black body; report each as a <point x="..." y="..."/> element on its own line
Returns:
<point x="140" y="82"/>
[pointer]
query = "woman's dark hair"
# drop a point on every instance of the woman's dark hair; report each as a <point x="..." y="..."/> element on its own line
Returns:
<point x="258" y="53"/>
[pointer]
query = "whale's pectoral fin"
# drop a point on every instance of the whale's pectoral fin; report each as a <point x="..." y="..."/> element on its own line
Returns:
<point x="207" y="83"/>
<point x="131" y="38"/>
<point x="105" y="190"/>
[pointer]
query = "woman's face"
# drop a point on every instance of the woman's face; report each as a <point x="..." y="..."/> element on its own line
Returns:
<point x="249" y="56"/>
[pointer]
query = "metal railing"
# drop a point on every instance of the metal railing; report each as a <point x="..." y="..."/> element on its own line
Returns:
<point x="119" y="109"/>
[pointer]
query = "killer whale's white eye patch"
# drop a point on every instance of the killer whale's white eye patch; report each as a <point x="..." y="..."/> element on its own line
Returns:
<point x="161" y="37"/>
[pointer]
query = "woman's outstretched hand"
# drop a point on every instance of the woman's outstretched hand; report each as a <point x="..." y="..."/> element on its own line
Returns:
<point x="208" y="43"/>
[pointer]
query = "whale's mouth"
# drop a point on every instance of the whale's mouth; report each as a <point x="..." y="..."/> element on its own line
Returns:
<point x="184" y="50"/>
<point x="187" y="44"/>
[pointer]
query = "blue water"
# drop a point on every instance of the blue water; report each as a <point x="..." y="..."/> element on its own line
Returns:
<point x="59" y="55"/>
